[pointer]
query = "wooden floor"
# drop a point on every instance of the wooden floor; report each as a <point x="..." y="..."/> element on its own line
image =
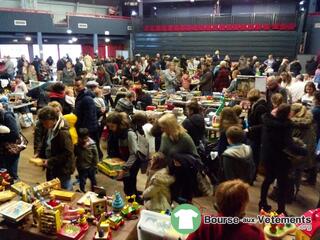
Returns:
<point x="307" y="197"/>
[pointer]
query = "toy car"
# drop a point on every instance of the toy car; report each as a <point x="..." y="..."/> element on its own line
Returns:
<point x="115" y="221"/>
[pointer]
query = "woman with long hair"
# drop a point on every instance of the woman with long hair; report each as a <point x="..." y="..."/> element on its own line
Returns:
<point x="122" y="143"/>
<point x="179" y="149"/>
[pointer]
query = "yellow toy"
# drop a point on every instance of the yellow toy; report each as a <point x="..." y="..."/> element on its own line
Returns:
<point x="103" y="228"/>
<point x="62" y="195"/>
<point x="50" y="221"/>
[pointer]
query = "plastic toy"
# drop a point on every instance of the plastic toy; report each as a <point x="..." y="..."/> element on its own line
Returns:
<point x="5" y="175"/>
<point x="277" y="231"/>
<point x="117" y="203"/>
<point x="72" y="214"/>
<point x="131" y="209"/>
<point x="103" y="228"/>
<point x="115" y="221"/>
<point x="6" y="196"/>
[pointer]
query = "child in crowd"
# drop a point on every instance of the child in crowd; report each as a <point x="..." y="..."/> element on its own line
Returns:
<point x="276" y="100"/>
<point x="225" y="204"/>
<point x="237" y="160"/>
<point x="157" y="193"/>
<point x="157" y="78"/>
<point x="185" y="80"/>
<point x="87" y="157"/>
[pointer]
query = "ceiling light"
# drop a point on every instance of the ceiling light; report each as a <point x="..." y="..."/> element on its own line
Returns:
<point x="301" y="2"/>
<point x="302" y="9"/>
<point x="69" y="31"/>
<point x="107" y="40"/>
<point x="138" y="0"/>
<point x="133" y="13"/>
<point x="191" y="0"/>
<point x="106" y="33"/>
<point x="28" y="38"/>
<point x="70" y="41"/>
<point x="155" y="8"/>
<point x="15" y="40"/>
<point x="74" y="39"/>
<point x="45" y="40"/>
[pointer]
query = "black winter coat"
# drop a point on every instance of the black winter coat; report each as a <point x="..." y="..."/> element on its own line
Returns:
<point x="277" y="136"/>
<point x="195" y="127"/>
<point x="255" y="120"/>
<point x="86" y="111"/>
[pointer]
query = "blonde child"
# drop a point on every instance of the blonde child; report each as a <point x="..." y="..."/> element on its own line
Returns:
<point x="157" y="193"/>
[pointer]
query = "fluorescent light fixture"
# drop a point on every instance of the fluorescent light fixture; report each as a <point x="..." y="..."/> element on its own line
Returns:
<point x="69" y="31"/>
<point x="155" y="8"/>
<point x="301" y="2"/>
<point x="302" y="9"/>
<point x="70" y="41"/>
<point x="133" y="13"/>
<point x="191" y="0"/>
<point x="15" y="40"/>
<point x="74" y="39"/>
<point x="28" y="38"/>
<point x="107" y="40"/>
<point x="106" y="33"/>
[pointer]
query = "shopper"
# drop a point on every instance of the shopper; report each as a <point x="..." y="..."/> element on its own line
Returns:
<point x="8" y="161"/>
<point x="237" y="160"/>
<point x="273" y="88"/>
<point x="206" y="81"/>
<point x="256" y="111"/>
<point x="277" y="137"/>
<point x="86" y="112"/>
<point x="87" y="157"/>
<point x="68" y="74"/>
<point x="122" y="143"/>
<point x="157" y="194"/>
<point x="57" y="147"/>
<point x="194" y="123"/>
<point x="226" y="206"/>
<point x="170" y="78"/>
<point x="125" y="104"/>
<point x="309" y="90"/>
<point x="179" y="149"/>
<point x="57" y="93"/>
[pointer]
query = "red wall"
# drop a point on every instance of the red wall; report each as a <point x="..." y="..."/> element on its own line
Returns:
<point x="112" y="47"/>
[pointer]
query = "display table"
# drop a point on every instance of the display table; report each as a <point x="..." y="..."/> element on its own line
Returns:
<point x="28" y="231"/>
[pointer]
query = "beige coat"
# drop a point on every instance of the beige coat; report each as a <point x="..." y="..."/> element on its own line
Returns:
<point x="157" y="195"/>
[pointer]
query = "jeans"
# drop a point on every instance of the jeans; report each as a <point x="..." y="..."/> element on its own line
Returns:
<point x="130" y="182"/>
<point x="87" y="173"/>
<point x="11" y="164"/>
<point x="66" y="183"/>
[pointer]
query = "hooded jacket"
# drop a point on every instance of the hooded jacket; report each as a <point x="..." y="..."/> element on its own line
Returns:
<point x="87" y="156"/>
<point x="72" y="120"/>
<point x="237" y="162"/>
<point x="277" y="136"/>
<point x="61" y="161"/>
<point x="305" y="130"/>
<point x="157" y="194"/>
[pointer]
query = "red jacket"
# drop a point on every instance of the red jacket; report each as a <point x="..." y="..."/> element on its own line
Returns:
<point x="222" y="80"/>
<point x="240" y="231"/>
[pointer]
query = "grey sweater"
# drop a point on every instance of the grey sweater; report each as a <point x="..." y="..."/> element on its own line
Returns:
<point x="183" y="145"/>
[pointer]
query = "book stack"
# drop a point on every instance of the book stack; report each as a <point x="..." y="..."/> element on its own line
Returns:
<point x="15" y="211"/>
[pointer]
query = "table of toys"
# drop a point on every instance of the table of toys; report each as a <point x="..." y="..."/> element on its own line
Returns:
<point x="47" y="212"/>
<point x="281" y="230"/>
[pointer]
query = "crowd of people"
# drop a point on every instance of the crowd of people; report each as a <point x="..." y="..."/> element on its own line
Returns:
<point x="278" y="136"/>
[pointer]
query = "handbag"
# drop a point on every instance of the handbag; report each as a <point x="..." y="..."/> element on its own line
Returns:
<point x="26" y="120"/>
<point x="14" y="148"/>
